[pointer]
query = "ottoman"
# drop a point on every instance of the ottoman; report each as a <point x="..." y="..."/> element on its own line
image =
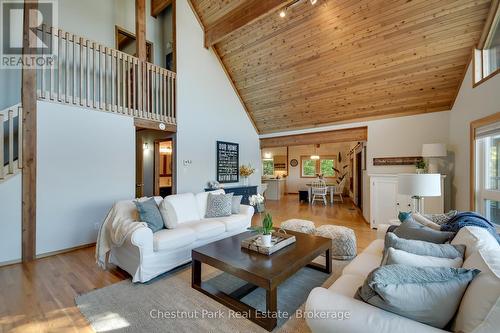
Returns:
<point x="298" y="225"/>
<point x="343" y="240"/>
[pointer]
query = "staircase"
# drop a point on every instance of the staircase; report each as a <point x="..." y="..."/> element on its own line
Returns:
<point x="10" y="142"/>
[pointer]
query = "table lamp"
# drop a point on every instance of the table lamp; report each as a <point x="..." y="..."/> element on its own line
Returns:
<point x="419" y="186"/>
<point x="431" y="151"/>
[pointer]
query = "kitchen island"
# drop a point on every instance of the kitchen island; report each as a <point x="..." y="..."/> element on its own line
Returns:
<point x="275" y="188"/>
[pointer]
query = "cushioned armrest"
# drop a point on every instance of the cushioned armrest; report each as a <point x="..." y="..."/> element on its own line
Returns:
<point x="323" y="309"/>
<point x="382" y="230"/>
<point x="143" y="238"/>
<point x="246" y="210"/>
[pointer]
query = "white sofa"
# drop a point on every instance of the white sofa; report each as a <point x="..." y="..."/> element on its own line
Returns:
<point x="145" y="255"/>
<point x="367" y="318"/>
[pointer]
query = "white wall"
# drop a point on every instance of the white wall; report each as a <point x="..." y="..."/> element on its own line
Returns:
<point x="86" y="161"/>
<point x="208" y="109"/>
<point x="471" y="104"/>
<point x="10" y="219"/>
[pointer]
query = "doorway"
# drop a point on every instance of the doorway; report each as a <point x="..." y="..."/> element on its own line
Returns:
<point x="163" y="168"/>
<point x="359" y="180"/>
<point x="126" y="42"/>
<point x="155" y="162"/>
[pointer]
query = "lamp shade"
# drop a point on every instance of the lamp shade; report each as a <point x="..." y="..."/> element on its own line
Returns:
<point x="420" y="185"/>
<point x="434" y="150"/>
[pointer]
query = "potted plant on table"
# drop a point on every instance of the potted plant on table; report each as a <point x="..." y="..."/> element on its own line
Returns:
<point x="421" y="165"/>
<point x="266" y="230"/>
<point x="257" y="201"/>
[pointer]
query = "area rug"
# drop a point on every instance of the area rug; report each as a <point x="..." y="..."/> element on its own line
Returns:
<point x="169" y="304"/>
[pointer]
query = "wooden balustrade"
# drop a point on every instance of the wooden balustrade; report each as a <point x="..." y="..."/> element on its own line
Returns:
<point x="10" y="160"/>
<point x="88" y="74"/>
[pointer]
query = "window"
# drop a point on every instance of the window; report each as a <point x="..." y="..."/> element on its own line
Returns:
<point x="268" y="167"/>
<point x="487" y="55"/>
<point x="487" y="171"/>
<point x="311" y="168"/>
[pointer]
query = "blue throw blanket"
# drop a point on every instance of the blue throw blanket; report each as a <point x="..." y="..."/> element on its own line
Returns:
<point x="469" y="219"/>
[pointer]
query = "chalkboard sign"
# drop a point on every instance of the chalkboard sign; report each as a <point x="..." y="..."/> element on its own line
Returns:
<point x="228" y="162"/>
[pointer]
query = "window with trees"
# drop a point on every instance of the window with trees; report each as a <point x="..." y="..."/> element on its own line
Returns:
<point x="268" y="167"/>
<point x="311" y="168"/>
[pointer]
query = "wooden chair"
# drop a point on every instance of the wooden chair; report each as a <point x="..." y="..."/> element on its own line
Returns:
<point x="319" y="190"/>
<point x="339" y="189"/>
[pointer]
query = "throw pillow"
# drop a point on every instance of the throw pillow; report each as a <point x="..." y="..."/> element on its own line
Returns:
<point x="425" y="221"/>
<point x="149" y="213"/>
<point x="410" y="229"/>
<point x="422" y="248"/>
<point x="479" y="310"/>
<point x="430" y="295"/>
<point x="219" y="205"/>
<point x="474" y="239"/>
<point x="399" y="257"/>
<point x="235" y="205"/>
<point x="441" y="218"/>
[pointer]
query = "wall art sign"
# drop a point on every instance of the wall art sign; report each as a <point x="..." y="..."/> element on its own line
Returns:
<point x="228" y="162"/>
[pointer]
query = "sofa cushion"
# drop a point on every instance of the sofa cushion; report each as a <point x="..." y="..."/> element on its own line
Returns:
<point x="233" y="222"/>
<point x="475" y="239"/>
<point x="179" y="208"/>
<point x="425" y="221"/>
<point x="410" y="229"/>
<point x="405" y="258"/>
<point x="430" y="295"/>
<point x="148" y="212"/>
<point x="236" y="204"/>
<point x="376" y="247"/>
<point x="202" y="199"/>
<point x="172" y="239"/>
<point x="479" y="310"/>
<point x="219" y="205"/>
<point x="422" y="248"/>
<point x="363" y="264"/>
<point x="205" y="229"/>
<point x="347" y="284"/>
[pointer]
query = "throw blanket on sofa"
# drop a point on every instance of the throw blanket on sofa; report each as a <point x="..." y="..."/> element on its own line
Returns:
<point x="465" y="219"/>
<point x="120" y="222"/>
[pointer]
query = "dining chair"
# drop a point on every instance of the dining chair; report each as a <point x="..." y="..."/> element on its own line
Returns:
<point x="339" y="190"/>
<point x="319" y="190"/>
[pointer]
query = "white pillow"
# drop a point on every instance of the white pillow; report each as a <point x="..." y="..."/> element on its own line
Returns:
<point x="479" y="311"/>
<point x="179" y="208"/>
<point x="475" y="239"/>
<point x="395" y="256"/>
<point x="425" y="221"/>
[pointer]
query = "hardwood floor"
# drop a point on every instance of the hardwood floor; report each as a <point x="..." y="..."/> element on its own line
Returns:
<point x="39" y="296"/>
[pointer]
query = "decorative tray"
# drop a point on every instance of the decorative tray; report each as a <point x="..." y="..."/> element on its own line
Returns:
<point x="279" y="240"/>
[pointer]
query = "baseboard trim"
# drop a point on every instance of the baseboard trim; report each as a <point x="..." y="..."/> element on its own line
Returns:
<point x="54" y="253"/>
<point x="48" y="254"/>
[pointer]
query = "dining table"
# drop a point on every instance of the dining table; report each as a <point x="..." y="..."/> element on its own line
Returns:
<point x="330" y="189"/>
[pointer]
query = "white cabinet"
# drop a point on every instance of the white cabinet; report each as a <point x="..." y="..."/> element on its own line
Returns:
<point x="386" y="202"/>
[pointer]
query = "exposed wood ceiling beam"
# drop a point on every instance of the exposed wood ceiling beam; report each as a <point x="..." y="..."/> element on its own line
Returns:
<point x="158" y="6"/>
<point x="245" y="14"/>
<point x="140" y="29"/>
<point x="343" y="135"/>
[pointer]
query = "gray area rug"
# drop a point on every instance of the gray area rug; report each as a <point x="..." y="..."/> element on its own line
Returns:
<point x="169" y="304"/>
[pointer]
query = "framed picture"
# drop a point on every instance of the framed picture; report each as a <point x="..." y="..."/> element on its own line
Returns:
<point x="228" y="161"/>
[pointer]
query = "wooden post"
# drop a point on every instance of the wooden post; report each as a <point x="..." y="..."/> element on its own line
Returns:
<point x="140" y="29"/>
<point x="29" y="140"/>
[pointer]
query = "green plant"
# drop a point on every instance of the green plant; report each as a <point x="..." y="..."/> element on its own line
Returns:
<point x="267" y="225"/>
<point x="420" y="164"/>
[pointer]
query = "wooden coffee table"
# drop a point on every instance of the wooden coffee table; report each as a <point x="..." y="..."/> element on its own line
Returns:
<point x="258" y="270"/>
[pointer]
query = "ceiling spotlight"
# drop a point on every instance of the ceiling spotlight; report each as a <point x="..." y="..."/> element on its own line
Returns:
<point x="313" y="2"/>
<point x="282" y="13"/>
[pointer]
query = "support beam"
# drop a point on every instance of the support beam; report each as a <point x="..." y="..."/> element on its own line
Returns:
<point x="342" y="135"/>
<point x="29" y="143"/>
<point x="140" y="29"/>
<point x="245" y="14"/>
<point x="158" y="6"/>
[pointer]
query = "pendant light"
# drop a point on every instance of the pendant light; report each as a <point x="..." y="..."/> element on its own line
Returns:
<point x="315" y="156"/>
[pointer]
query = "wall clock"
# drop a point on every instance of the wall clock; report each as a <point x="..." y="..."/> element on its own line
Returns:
<point x="294" y="162"/>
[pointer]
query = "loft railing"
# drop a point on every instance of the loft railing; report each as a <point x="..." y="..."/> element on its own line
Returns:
<point x="10" y="141"/>
<point x="89" y="74"/>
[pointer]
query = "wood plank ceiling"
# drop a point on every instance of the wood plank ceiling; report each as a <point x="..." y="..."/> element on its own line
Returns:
<point x="347" y="60"/>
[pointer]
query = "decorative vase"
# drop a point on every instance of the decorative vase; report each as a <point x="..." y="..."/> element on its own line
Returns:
<point x="245" y="181"/>
<point x="266" y="240"/>
<point x="420" y="171"/>
<point x="260" y="207"/>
